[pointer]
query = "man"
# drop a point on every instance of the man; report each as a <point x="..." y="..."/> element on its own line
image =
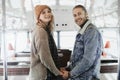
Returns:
<point x="85" y="60"/>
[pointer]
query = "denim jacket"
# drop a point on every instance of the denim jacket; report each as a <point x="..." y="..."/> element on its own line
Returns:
<point x="85" y="60"/>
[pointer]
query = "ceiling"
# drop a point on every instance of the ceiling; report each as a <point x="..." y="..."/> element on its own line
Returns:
<point x="20" y="13"/>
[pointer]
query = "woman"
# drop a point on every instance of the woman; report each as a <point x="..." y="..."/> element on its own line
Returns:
<point x="44" y="56"/>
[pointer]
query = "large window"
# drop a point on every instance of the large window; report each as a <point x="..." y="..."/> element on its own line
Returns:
<point x="67" y="39"/>
<point x="19" y="19"/>
<point x="110" y="40"/>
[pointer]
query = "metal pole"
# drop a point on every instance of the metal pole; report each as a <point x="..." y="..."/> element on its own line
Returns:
<point x="3" y="32"/>
<point x="58" y="39"/>
<point x="33" y="17"/>
<point x="57" y="2"/>
<point x="119" y="37"/>
<point x="15" y="37"/>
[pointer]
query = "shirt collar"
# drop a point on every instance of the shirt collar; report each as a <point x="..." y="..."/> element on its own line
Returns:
<point x="82" y="30"/>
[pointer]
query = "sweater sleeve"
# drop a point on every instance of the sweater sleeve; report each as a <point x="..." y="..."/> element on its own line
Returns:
<point x="41" y="41"/>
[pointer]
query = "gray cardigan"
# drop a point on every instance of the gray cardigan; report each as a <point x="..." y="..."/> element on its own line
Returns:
<point x="41" y="59"/>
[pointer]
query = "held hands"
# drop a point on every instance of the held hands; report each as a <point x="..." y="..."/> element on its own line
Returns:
<point x="64" y="73"/>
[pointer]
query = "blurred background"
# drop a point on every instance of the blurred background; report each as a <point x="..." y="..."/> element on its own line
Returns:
<point x="17" y="21"/>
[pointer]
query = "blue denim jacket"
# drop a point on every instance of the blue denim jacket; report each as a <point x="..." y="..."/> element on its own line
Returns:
<point x="85" y="60"/>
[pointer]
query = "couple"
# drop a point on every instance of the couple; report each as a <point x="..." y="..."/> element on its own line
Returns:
<point x="85" y="60"/>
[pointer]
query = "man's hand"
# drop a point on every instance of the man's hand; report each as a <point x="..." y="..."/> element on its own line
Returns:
<point x="65" y="74"/>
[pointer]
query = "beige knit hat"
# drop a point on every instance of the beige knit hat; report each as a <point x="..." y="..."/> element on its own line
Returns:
<point x="39" y="9"/>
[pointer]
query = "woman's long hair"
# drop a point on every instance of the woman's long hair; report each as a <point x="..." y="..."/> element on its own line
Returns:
<point x="50" y="25"/>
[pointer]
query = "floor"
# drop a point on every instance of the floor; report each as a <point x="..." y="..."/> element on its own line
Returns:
<point x="112" y="76"/>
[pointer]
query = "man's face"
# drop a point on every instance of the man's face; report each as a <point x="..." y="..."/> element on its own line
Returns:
<point x="79" y="16"/>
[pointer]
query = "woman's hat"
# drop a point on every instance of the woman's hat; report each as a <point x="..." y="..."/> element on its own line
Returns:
<point x="39" y="9"/>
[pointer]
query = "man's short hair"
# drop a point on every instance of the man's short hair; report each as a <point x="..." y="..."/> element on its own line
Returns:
<point x="80" y="6"/>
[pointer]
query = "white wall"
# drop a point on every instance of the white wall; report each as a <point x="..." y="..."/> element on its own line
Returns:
<point x="64" y="18"/>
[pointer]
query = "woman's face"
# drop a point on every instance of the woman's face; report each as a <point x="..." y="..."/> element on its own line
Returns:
<point x="46" y="15"/>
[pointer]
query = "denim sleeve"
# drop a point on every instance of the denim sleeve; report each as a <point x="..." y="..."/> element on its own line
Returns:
<point x="90" y="50"/>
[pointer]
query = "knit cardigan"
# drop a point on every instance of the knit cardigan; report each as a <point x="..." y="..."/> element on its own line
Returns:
<point x="41" y="58"/>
